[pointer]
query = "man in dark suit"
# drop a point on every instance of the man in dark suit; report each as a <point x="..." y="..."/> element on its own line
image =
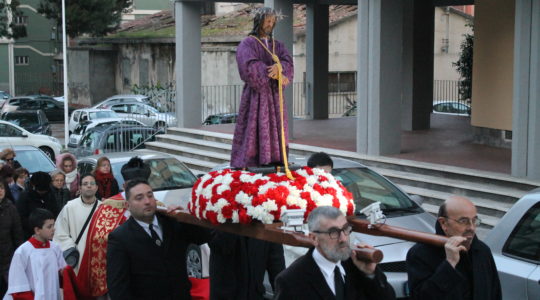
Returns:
<point x="146" y="254"/>
<point x="331" y="270"/>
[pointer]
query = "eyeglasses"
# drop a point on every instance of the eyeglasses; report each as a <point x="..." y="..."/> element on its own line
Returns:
<point x="466" y="221"/>
<point x="335" y="233"/>
<point x="10" y="159"/>
<point x="88" y="183"/>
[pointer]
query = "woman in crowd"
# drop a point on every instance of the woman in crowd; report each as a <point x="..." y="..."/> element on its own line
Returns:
<point x="58" y="187"/>
<point x="19" y="183"/>
<point x="8" y="156"/>
<point x="67" y="163"/>
<point x="11" y="235"/>
<point x="107" y="184"/>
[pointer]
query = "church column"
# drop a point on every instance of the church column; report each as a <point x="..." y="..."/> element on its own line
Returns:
<point x="418" y="36"/>
<point x="526" y="103"/>
<point x="379" y="76"/>
<point x="284" y="33"/>
<point x="188" y="64"/>
<point x="317" y="60"/>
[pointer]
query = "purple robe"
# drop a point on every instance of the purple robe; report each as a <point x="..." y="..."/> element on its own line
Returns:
<point x="257" y="135"/>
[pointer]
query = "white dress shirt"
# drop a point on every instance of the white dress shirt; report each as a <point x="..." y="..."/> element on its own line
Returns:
<point x="155" y="225"/>
<point x="327" y="269"/>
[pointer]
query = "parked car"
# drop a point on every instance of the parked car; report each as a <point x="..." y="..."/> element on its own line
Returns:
<point x="452" y="108"/>
<point x="33" y="159"/>
<point x="53" y="109"/>
<point x="120" y="99"/>
<point x="515" y="244"/>
<point x="400" y="209"/>
<point x="171" y="181"/>
<point x="4" y="95"/>
<point x="144" y="113"/>
<point x="79" y="131"/>
<point x="115" y="138"/>
<point x="35" y="121"/>
<point x="88" y="114"/>
<point x="13" y="135"/>
<point x="221" y="119"/>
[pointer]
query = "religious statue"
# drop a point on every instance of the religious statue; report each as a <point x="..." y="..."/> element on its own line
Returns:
<point x="266" y="67"/>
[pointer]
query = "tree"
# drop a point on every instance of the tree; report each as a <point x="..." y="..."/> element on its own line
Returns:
<point x="464" y="66"/>
<point x="8" y="28"/>
<point x="93" y="17"/>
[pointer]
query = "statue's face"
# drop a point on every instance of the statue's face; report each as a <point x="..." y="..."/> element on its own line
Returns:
<point x="268" y="25"/>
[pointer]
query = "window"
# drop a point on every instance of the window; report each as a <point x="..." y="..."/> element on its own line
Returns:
<point x="20" y="20"/>
<point x="21" y="60"/>
<point x="524" y="242"/>
<point x="339" y="82"/>
<point x="7" y="130"/>
<point x="76" y="116"/>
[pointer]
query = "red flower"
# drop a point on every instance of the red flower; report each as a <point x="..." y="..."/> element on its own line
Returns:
<point x="243" y="217"/>
<point x="212" y="217"/>
<point x="227" y="211"/>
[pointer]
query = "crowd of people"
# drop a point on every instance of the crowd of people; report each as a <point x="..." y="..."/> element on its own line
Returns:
<point x="119" y="248"/>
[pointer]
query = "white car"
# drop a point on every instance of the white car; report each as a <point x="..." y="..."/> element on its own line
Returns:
<point x="80" y="129"/>
<point x="118" y="99"/>
<point x="88" y="114"/>
<point x="144" y="113"/>
<point x="13" y="135"/>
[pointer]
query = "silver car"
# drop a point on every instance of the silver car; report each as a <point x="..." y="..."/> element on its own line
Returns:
<point x="515" y="243"/>
<point x="144" y="113"/>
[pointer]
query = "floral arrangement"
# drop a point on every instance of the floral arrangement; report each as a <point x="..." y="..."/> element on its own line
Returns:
<point x="242" y="197"/>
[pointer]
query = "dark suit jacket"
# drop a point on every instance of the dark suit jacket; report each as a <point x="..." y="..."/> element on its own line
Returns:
<point x="138" y="269"/>
<point x="238" y="264"/>
<point x="304" y="280"/>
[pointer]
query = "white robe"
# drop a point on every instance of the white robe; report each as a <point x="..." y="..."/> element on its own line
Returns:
<point x="37" y="270"/>
<point x="68" y="225"/>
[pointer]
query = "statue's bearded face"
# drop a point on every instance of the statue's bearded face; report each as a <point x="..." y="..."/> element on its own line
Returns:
<point x="267" y="25"/>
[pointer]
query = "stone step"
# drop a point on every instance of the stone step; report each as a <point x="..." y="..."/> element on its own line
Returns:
<point x="460" y="187"/>
<point x="201" y="134"/>
<point x="484" y="206"/>
<point x="195" y="143"/>
<point x="202" y="155"/>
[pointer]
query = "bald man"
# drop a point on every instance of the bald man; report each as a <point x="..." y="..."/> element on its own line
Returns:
<point x="463" y="269"/>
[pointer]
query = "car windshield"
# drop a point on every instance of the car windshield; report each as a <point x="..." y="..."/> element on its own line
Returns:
<point x="80" y="129"/>
<point x="368" y="187"/>
<point x="167" y="174"/>
<point x="23" y="120"/>
<point x="102" y="114"/>
<point x="90" y="140"/>
<point x="35" y="160"/>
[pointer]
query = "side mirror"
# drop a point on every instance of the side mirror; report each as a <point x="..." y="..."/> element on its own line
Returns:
<point x="417" y="199"/>
<point x="24" y="135"/>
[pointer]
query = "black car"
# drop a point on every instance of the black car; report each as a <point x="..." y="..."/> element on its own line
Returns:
<point x="34" y="121"/>
<point x="227" y="118"/>
<point x="54" y="110"/>
<point x="115" y="138"/>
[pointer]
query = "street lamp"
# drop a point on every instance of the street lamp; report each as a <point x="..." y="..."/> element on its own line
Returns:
<point x="64" y="58"/>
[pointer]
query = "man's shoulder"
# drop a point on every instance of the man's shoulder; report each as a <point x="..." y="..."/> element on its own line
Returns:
<point x="299" y="266"/>
<point x="424" y="251"/>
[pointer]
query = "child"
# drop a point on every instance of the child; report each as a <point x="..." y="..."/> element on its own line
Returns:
<point x="34" y="270"/>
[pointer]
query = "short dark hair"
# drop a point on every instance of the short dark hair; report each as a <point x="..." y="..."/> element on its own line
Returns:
<point x="320" y="159"/>
<point x="41" y="181"/>
<point x="442" y="211"/>
<point x="38" y="217"/>
<point x="135" y="168"/>
<point x="84" y="176"/>
<point x="132" y="183"/>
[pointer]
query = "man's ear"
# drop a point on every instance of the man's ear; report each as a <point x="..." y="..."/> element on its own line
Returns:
<point x="443" y="222"/>
<point x="314" y="239"/>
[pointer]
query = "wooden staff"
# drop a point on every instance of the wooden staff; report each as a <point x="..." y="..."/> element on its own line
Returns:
<point x="271" y="232"/>
<point x="363" y="226"/>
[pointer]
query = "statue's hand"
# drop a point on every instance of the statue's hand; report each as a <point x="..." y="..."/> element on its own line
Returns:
<point x="285" y="80"/>
<point x="273" y="71"/>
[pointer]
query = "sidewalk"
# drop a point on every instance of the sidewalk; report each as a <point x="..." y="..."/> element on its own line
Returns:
<point x="448" y="142"/>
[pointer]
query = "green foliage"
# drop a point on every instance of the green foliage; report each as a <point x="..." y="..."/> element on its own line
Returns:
<point x="464" y="66"/>
<point x="92" y="17"/>
<point x="9" y="29"/>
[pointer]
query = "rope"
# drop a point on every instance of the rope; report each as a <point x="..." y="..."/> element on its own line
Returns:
<point x="275" y="58"/>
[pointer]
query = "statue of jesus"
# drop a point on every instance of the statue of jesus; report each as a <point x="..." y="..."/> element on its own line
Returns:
<point x="265" y="65"/>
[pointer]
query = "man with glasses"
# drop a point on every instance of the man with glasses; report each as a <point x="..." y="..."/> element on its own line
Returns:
<point x="331" y="269"/>
<point x="71" y="224"/>
<point x="464" y="268"/>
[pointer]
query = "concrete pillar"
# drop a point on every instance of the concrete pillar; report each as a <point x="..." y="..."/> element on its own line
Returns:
<point x="284" y="33"/>
<point x="317" y="60"/>
<point x="188" y="64"/>
<point x="418" y="35"/>
<point x="379" y="76"/>
<point x="526" y="104"/>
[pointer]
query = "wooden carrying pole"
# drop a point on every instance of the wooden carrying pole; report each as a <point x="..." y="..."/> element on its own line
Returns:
<point x="272" y="233"/>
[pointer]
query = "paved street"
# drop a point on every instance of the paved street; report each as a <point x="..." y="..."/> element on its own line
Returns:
<point x="58" y="132"/>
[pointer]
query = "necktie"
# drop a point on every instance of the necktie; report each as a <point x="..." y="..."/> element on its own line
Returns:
<point x="154" y="235"/>
<point x="339" y="285"/>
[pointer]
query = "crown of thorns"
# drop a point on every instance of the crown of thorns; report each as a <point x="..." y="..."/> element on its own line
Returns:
<point x="267" y="11"/>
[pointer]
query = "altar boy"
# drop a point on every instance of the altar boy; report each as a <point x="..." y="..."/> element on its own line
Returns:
<point x="34" y="270"/>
